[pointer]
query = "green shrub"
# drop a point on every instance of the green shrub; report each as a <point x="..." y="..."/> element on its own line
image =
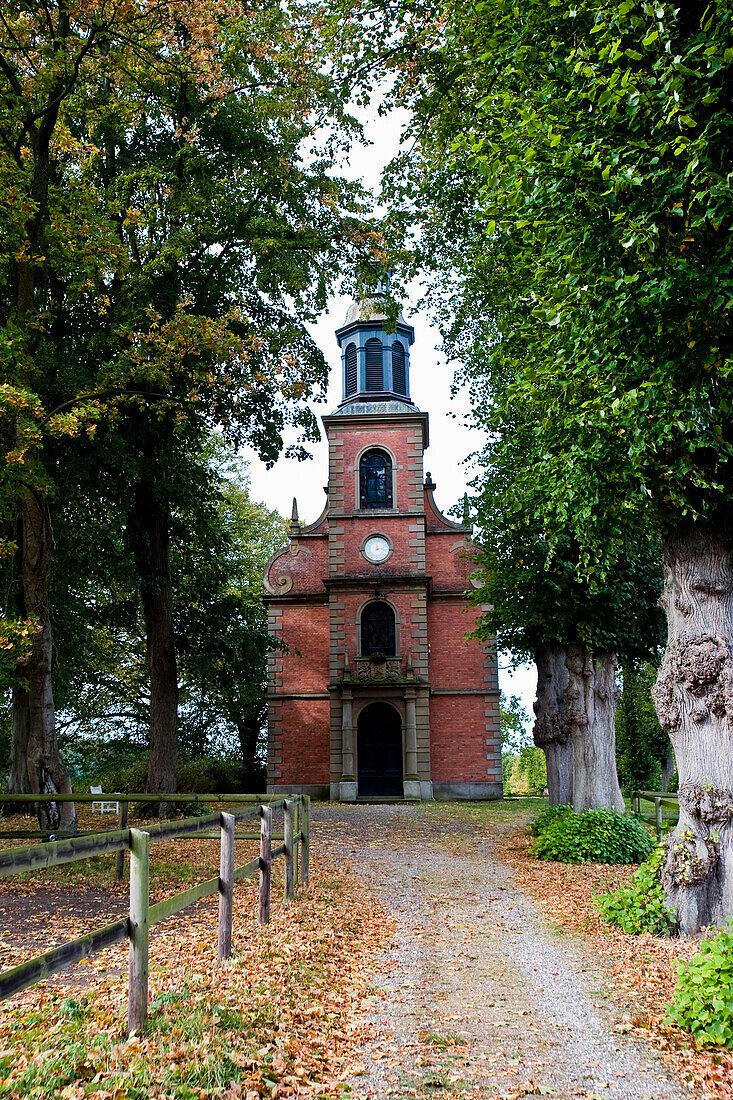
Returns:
<point x="640" y="906"/>
<point x="546" y="817"/>
<point x="593" y="836"/>
<point x="199" y="775"/>
<point x="703" y="996"/>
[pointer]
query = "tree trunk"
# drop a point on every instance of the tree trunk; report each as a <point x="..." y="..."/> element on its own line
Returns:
<point x="694" y="701"/>
<point x="152" y="557"/>
<point x="550" y="732"/>
<point x="20" y="731"/>
<point x="46" y="772"/>
<point x="249" y="726"/>
<point x="575" y="708"/>
<point x="590" y="709"/>
<point x="667" y="767"/>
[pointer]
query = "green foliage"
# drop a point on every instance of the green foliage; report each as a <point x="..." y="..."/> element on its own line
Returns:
<point x="548" y="817"/>
<point x="529" y="772"/>
<point x="507" y="763"/>
<point x="640" y="906"/>
<point x="513" y="723"/>
<point x="703" y="996"/>
<point x="593" y="836"/>
<point x="643" y="748"/>
<point x="197" y="775"/>
<point x="221" y="540"/>
<point x="571" y="166"/>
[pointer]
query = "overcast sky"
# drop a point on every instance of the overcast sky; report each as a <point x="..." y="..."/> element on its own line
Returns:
<point x="451" y="441"/>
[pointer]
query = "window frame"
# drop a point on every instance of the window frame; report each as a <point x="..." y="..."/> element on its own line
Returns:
<point x="386" y="507"/>
<point x="384" y="651"/>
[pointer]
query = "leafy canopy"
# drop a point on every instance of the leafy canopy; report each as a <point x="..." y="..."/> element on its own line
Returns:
<point x="579" y="158"/>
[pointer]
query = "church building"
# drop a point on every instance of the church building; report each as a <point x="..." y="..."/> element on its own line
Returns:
<point x="379" y="692"/>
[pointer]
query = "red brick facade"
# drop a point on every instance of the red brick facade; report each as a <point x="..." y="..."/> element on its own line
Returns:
<point x="440" y="689"/>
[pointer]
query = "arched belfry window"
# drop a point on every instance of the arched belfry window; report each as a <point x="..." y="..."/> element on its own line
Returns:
<point x="378" y="633"/>
<point x="352" y="372"/>
<point x="399" y="380"/>
<point x="375" y="480"/>
<point x="374" y="372"/>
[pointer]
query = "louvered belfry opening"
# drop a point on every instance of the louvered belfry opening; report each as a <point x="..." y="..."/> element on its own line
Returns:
<point x="378" y="633"/>
<point x="375" y="480"/>
<point x="399" y="378"/>
<point x="374" y="369"/>
<point x="352" y="370"/>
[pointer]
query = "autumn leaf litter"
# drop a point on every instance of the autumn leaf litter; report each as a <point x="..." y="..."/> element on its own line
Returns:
<point x="416" y="964"/>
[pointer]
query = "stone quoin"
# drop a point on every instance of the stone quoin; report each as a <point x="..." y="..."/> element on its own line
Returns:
<point x="380" y="693"/>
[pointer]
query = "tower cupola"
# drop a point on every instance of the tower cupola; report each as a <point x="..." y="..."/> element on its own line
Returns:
<point x="375" y="364"/>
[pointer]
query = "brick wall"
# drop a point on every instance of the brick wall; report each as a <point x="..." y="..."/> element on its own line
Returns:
<point x="304" y="741"/>
<point x="304" y="628"/>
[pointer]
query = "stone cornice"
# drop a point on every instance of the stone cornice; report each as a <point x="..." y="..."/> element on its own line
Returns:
<point x="367" y="420"/>
<point x="383" y="580"/>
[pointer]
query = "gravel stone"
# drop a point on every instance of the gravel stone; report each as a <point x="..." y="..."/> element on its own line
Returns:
<point x="479" y="995"/>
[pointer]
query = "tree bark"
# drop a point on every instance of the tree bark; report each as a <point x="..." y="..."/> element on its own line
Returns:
<point x="667" y="767"/>
<point x="575" y="708"/>
<point x="152" y="557"/>
<point x="46" y="772"/>
<point x="590" y="709"/>
<point x="550" y="732"/>
<point x="694" y="700"/>
<point x="20" y="732"/>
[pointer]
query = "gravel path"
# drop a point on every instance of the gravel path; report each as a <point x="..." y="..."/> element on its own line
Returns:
<point x="479" y="996"/>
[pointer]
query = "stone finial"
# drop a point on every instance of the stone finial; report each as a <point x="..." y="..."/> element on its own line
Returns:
<point x="294" y="526"/>
<point x="429" y="483"/>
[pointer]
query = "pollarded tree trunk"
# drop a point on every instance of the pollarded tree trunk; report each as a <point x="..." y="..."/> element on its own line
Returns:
<point x="575" y="708"/>
<point x="589" y="709"/>
<point x="20" y="731"/>
<point x="550" y="732"/>
<point x="152" y="556"/>
<point x="694" y="701"/>
<point x="46" y="772"/>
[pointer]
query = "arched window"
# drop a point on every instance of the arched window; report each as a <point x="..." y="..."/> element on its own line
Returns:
<point x="377" y="629"/>
<point x="375" y="480"/>
<point x="374" y="373"/>
<point x="352" y="373"/>
<point x="399" y="381"/>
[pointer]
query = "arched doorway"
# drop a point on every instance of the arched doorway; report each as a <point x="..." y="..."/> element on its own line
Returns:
<point x="379" y="751"/>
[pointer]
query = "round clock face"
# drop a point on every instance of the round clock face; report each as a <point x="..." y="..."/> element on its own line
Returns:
<point x="376" y="549"/>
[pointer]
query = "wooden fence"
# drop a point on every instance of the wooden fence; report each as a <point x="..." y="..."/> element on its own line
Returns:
<point x="142" y="915"/>
<point x="660" y="802"/>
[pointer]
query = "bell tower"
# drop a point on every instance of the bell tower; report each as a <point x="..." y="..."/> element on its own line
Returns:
<point x="374" y="364"/>
<point x="380" y="693"/>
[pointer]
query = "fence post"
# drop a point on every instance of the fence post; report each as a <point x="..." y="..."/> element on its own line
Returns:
<point x="265" y="862"/>
<point x="658" y="815"/>
<point x="226" y="886"/>
<point x="288" y="815"/>
<point x="297" y="817"/>
<point x="137" y="1003"/>
<point x="120" y="866"/>
<point x="305" y="844"/>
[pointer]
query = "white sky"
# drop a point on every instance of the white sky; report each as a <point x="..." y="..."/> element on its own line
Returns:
<point x="451" y="441"/>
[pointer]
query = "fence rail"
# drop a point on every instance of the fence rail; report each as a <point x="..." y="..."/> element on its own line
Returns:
<point x="124" y="800"/>
<point x="142" y="915"/>
<point x="660" y="801"/>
